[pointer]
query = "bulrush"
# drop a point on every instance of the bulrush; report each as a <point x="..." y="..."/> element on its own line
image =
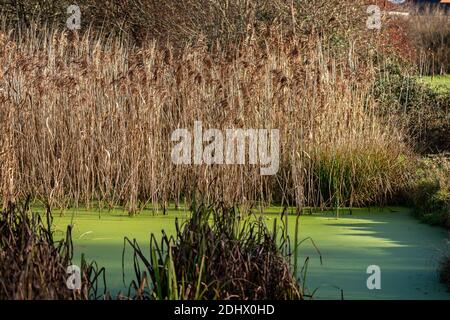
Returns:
<point x="92" y="122"/>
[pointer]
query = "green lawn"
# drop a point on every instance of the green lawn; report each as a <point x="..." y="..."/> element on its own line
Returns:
<point x="439" y="83"/>
<point x="407" y="251"/>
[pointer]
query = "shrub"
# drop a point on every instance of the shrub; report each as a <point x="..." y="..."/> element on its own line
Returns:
<point x="33" y="265"/>
<point x="99" y="114"/>
<point x="421" y="110"/>
<point x="359" y="175"/>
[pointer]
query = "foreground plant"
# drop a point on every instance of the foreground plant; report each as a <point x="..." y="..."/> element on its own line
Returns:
<point x="217" y="254"/>
<point x="33" y="265"/>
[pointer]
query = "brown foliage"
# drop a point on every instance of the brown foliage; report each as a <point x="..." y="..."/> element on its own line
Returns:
<point x="33" y="265"/>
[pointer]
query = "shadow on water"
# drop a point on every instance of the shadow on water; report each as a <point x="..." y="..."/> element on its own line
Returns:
<point x="406" y="251"/>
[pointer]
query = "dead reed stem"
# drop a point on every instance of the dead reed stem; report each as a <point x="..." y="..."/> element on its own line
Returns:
<point x="88" y="121"/>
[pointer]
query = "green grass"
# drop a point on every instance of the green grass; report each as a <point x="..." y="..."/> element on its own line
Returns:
<point x="440" y="84"/>
<point x="407" y="251"/>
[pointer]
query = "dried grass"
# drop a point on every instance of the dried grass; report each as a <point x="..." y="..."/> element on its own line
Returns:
<point x="87" y="120"/>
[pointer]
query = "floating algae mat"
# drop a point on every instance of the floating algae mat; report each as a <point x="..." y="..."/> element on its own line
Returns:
<point x="406" y="251"/>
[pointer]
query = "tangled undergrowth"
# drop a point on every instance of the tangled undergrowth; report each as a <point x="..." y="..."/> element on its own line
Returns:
<point x="33" y="266"/>
<point x="429" y="32"/>
<point x="98" y="116"/>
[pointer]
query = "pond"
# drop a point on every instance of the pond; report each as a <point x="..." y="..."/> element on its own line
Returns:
<point x="406" y="251"/>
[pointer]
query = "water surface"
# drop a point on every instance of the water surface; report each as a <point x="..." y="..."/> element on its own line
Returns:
<point x="407" y="251"/>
